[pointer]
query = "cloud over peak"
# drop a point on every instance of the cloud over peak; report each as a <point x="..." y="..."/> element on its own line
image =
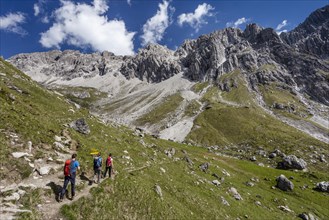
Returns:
<point x="155" y="27"/>
<point x="237" y="23"/>
<point x="85" y="26"/>
<point x="11" y="22"/>
<point x="196" y="19"/>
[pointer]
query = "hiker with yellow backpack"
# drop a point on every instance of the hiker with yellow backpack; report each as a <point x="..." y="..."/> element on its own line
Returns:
<point x="97" y="168"/>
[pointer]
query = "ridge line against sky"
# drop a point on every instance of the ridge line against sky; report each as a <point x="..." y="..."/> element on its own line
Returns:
<point x="124" y="26"/>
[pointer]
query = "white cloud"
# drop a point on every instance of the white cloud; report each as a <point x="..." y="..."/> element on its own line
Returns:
<point x="45" y="20"/>
<point x="36" y="9"/>
<point x="11" y="22"/>
<point x="281" y="25"/>
<point x="196" y="19"/>
<point x="154" y="28"/>
<point x="85" y="26"/>
<point x="237" y="23"/>
<point x="129" y="2"/>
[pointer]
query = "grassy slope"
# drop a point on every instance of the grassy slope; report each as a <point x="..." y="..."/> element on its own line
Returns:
<point x="162" y="110"/>
<point x="186" y="192"/>
<point x="249" y="125"/>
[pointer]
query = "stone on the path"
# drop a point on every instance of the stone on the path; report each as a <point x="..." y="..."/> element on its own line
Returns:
<point x="29" y="146"/>
<point x="322" y="186"/>
<point x="13" y="197"/>
<point x="234" y="192"/>
<point x="284" y="184"/>
<point x="59" y="145"/>
<point x="44" y="170"/>
<point x="57" y="138"/>
<point x="19" y="154"/>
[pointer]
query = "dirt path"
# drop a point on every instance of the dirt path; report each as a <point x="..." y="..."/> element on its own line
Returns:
<point x="51" y="209"/>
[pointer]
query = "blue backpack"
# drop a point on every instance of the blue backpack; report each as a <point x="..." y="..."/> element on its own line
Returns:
<point x="97" y="162"/>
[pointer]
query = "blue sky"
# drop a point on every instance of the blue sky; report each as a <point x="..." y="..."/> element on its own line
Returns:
<point x="124" y="26"/>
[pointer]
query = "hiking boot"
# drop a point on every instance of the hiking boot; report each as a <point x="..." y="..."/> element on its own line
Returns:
<point x="72" y="197"/>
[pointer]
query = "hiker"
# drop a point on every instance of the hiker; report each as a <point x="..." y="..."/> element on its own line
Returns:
<point x="97" y="167"/>
<point x="70" y="171"/>
<point x="109" y="164"/>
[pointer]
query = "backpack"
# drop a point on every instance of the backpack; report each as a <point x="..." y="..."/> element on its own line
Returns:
<point x="67" y="167"/>
<point x="97" y="162"/>
<point x="109" y="162"/>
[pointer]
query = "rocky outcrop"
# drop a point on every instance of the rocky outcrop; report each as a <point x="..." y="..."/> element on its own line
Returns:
<point x="284" y="184"/>
<point x="81" y="126"/>
<point x="67" y="65"/>
<point x="292" y="162"/>
<point x="322" y="186"/>
<point x="154" y="63"/>
<point x="311" y="36"/>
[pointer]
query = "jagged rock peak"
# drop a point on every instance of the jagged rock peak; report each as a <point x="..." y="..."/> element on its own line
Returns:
<point x="67" y="64"/>
<point x="251" y="31"/>
<point x="311" y="36"/>
<point x="316" y="19"/>
<point x="154" y="63"/>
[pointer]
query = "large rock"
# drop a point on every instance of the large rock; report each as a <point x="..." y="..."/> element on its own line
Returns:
<point x="322" y="186"/>
<point x="81" y="126"/>
<point x="234" y="192"/>
<point x="292" y="162"/>
<point x="204" y="167"/>
<point x="19" y="154"/>
<point x="307" y="216"/>
<point x="158" y="190"/>
<point x="284" y="184"/>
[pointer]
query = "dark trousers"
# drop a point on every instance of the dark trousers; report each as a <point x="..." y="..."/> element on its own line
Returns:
<point x="108" y="169"/>
<point x="97" y="174"/>
<point x="66" y="182"/>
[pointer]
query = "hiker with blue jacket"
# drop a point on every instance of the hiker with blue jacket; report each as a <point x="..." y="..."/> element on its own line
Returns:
<point x="70" y="172"/>
<point x="97" y="167"/>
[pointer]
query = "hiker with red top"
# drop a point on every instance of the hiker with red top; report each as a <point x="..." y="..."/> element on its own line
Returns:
<point x="70" y="171"/>
<point x="109" y="164"/>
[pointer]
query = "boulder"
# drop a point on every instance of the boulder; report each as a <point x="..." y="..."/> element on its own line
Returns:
<point x="224" y="202"/>
<point x="13" y="197"/>
<point x="44" y="170"/>
<point x="81" y="126"/>
<point x="204" y="167"/>
<point x="284" y="184"/>
<point x="307" y="216"/>
<point x="19" y="154"/>
<point x="188" y="160"/>
<point x="216" y="182"/>
<point x="292" y="162"/>
<point x="158" y="190"/>
<point x="322" y="186"/>
<point x="234" y="192"/>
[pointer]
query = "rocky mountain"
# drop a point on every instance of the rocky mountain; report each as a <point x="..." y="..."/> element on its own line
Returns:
<point x="283" y="178"/>
<point x="285" y="75"/>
